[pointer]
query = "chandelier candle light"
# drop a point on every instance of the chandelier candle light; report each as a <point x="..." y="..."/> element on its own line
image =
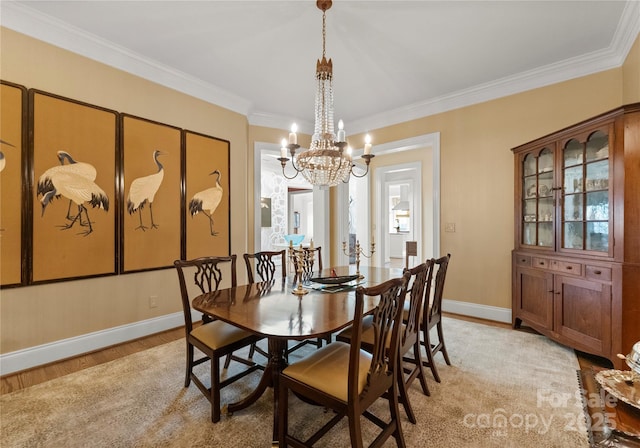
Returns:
<point x="328" y="161"/>
<point x="357" y="250"/>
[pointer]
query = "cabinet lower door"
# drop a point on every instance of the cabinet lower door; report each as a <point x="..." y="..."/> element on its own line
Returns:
<point x="583" y="314"/>
<point x="534" y="296"/>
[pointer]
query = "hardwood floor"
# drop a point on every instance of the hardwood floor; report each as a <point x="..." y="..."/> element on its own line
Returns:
<point x="31" y="377"/>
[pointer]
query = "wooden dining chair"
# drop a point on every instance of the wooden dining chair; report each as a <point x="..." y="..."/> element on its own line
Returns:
<point x="432" y="317"/>
<point x="347" y="379"/>
<point x="263" y="266"/>
<point x="419" y="280"/>
<point x="215" y="339"/>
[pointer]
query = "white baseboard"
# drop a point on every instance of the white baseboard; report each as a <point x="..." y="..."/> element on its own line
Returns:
<point x="475" y="310"/>
<point x="66" y="348"/>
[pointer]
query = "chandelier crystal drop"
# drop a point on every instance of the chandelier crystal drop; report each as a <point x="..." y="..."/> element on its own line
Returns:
<point x="328" y="161"/>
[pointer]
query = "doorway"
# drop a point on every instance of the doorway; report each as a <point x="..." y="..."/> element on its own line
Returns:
<point x="428" y="201"/>
<point x="271" y="187"/>
<point x="423" y="179"/>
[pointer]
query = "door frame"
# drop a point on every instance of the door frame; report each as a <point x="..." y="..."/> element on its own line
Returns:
<point x="426" y="141"/>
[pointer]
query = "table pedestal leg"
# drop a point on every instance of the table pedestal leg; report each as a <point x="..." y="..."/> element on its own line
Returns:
<point x="275" y="364"/>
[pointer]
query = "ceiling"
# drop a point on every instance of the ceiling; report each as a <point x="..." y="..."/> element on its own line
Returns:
<point x="393" y="60"/>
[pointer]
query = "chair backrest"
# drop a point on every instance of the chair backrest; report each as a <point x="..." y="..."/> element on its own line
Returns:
<point x="387" y="321"/>
<point x="441" y="264"/>
<point x="264" y="264"/>
<point x="312" y="261"/>
<point x="419" y="288"/>
<point x="207" y="278"/>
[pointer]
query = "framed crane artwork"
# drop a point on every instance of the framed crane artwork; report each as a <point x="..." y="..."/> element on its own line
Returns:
<point x="207" y="206"/>
<point x="13" y="137"/>
<point x="150" y="224"/>
<point x="74" y="160"/>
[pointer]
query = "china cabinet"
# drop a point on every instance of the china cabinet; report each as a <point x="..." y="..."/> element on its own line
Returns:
<point x="576" y="258"/>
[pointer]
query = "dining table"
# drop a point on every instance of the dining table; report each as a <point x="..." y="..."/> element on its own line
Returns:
<point x="271" y="309"/>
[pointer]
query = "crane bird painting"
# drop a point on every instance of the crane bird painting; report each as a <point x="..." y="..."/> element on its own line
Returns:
<point x="143" y="190"/>
<point x="3" y="161"/>
<point x="207" y="201"/>
<point x="75" y="182"/>
<point x="81" y="168"/>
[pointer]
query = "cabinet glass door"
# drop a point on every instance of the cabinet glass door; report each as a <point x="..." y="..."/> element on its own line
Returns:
<point x="537" y="199"/>
<point x="585" y="203"/>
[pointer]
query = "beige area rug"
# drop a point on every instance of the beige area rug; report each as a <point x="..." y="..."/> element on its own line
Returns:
<point x="505" y="389"/>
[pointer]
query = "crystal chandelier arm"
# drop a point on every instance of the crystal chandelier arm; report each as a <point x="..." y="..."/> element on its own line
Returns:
<point x="289" y="177"/>
<point x="367" y="158"/>
<point x="292" y="150"/>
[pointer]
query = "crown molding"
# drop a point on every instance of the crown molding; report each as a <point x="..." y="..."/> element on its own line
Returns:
<point x="28" y="21"/>
<point x="269" y="120"/>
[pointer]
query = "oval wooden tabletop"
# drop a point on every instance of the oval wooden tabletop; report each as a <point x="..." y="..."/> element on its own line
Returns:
<point x="272" y="310"/>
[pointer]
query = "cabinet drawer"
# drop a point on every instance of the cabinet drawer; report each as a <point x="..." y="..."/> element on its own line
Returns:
<point x="541" y="263"/>
<point x="567" y="267"/>
<point x="598" y="273"/>
<point x="523" y="260"/>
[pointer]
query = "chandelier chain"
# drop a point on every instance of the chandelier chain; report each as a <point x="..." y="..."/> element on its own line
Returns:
<point x="324" y="32"/>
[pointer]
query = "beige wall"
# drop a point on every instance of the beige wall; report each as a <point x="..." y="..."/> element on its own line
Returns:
<point x="631" y="75"/>
<point x="477" y="173"/>
<point x="476" y="182"/>
<point x="39" y="314"/>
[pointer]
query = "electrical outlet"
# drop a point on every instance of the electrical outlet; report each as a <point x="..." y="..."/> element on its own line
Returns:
<point x="450" y="227"/>
<point x="153" y="301"/>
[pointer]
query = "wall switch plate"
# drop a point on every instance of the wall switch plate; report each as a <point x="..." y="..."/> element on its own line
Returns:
<point x="153" y="301"/>
<point x="450" y="227"/>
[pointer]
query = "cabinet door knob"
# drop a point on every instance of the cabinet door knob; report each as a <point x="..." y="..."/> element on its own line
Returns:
<point x="558" y="292"/>
<point x="541" y="263"/>
<point x="569" y="268"/>
<point x="597" y="272"/>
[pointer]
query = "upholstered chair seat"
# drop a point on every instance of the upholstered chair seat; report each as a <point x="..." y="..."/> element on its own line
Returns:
<point x="327" y="370"/>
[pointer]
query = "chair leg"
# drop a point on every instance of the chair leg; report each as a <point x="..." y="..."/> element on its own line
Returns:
<point x="394" y="410"/>
<point x="418" y="361"/>
<point x="283" y="416"/>
<point x="215" y="389"/>
<point x="252" y="350"/>
<point x="443" y="347"/>
<point x="404" y="396"/>
<point x="227" y="361"/>
<point x="355" y="429"/>
<point x="187" y="375"/>
<point x="430" y="362"/>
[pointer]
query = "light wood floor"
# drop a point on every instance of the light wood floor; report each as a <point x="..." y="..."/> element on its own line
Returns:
<point x="27" y="378"/>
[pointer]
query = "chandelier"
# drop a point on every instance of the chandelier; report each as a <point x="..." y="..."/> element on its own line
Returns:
<point x="328" y="161"/>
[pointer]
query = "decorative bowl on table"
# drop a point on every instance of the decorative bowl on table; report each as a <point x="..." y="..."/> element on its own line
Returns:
<point x="334" y="280"/>
<point x="295" y="238"/>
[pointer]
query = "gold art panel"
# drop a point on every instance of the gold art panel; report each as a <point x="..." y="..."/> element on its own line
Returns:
<point x="151" y="206"/>
<point x="13" y="120"/>
<point x="207" y="196"/>
<point x="74" y="155"/>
